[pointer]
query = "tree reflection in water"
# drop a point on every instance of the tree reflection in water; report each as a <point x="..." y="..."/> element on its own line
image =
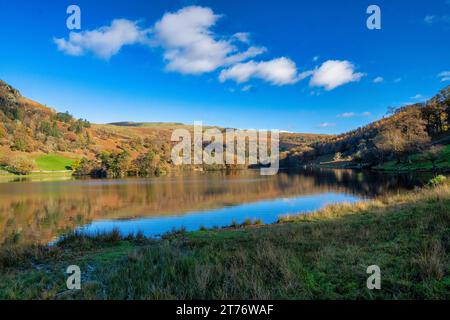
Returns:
<point x="40" y="211"/>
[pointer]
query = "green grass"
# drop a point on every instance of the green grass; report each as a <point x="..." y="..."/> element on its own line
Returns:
<point x="37" y="176"/>
<point x="320" y="256"/>
<point x="53" y="162"/>
<point x="418" y="163"/>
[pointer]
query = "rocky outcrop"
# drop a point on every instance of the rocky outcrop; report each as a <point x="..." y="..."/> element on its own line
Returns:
<point x="8" y="94"/>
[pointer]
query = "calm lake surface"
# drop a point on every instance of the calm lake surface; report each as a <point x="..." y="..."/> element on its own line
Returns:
<point x="42" y="211"/>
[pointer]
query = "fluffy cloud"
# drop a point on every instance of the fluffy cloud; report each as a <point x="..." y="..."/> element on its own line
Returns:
<point x="445" y="76"/>
<point x="279" y="71"/>
<point x="191" y="47"/>
<point x="334" y="73"/>
<point x="378" y="80"/>
<point x="103" y="42"/>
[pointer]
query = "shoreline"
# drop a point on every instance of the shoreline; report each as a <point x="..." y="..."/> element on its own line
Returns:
<point x="404" y="234"/>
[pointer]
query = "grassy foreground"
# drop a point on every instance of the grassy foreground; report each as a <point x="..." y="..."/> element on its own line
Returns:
<point x="320" y="256"/>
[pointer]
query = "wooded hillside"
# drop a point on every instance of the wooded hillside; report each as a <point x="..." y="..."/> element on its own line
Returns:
<point x="404" y="132"/>
<point x="29" y="131"/>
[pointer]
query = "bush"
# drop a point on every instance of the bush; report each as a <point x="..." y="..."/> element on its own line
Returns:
<point x="440" y="179"/>
<point x="19" y="165"/>
<point x="258" y="222"/>
<point x="21" y="143"/>
<point x="85" y="167"/>
<point x="337" y="156"/>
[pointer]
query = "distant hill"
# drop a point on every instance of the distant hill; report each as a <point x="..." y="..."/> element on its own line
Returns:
<point x="145" y="124"/>
<point x="288" y="140"/>
<point x="31" y="130"/>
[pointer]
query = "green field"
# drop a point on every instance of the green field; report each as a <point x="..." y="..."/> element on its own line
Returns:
<point x="53" y="162"/>
<point x="320" y="256"/>
<point x="418" y="162"/>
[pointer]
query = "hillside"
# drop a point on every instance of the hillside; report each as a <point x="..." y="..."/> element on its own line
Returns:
<point x="411" y="134"/>
<point x="34" y="137"/>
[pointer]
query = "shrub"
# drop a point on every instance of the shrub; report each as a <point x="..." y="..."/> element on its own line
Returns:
<point x="258" y="222"/>
<point x="19" y="165"/>
<point x="337" y="156"/>
<point x="139" y="236"/>
<point x="174" y="233"/>
<point x="21" y="143"/>
<point x="85" y="167"/>
<point x="440" y="179"/>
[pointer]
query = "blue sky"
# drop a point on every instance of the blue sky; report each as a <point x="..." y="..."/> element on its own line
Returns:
<point x="303" y="66"/>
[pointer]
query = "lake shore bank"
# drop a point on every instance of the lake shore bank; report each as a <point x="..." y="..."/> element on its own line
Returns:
<point x="318" y="256"/>
<point x="420" y="162"/>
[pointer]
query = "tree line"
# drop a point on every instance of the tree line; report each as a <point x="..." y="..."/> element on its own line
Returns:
<point x="406" y="131"/>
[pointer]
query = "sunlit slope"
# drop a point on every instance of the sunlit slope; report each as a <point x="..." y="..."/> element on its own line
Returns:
<point x="30" y="129"/>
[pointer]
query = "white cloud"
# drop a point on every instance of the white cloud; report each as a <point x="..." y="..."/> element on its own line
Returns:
<point x="247" y="88"/>
<point x="327" y="125"/>
<point x="191" y="47"/>
<point x="105" y="41"/>
<point x="353" y="114"/>
<point x="429" y="19"/>
<point x="334" y="73"/>
<point x="249" y="53"/>
<point x="445" y="76"/>
<point x="378" y="80"/>
<point x="280" y="71"/>
<point x="397" y="80"/>
<point x="417" y="97"/>
<point x="346" y="115"/>
<point x="242" y="37"/>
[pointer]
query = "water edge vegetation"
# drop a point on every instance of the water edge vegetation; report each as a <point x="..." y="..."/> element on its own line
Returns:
<point x="323" y="255"/>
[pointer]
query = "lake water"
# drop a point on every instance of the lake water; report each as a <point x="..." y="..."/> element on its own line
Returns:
<point x="42" y="211"/>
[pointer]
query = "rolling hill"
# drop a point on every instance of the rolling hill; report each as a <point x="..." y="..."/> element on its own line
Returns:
<point x="30" y="130"/>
